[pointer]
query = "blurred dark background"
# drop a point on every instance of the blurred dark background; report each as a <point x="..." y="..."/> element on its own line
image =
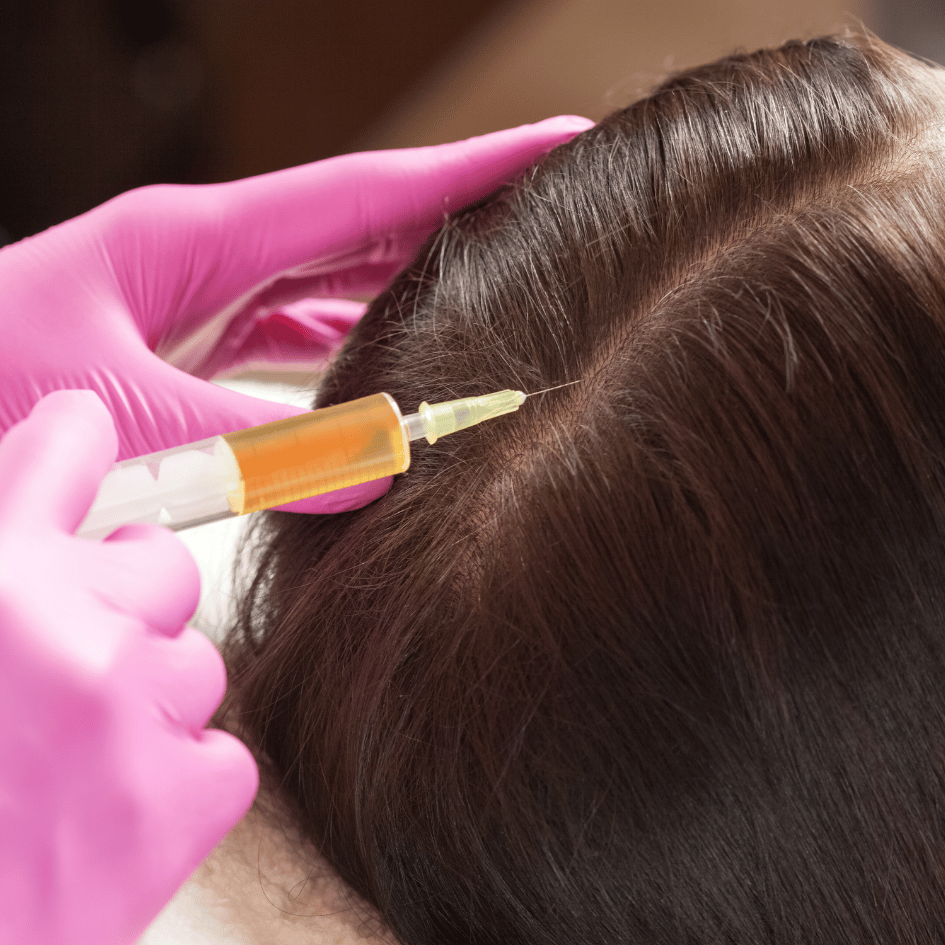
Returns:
<point x="102" y="95"/>
<point x="99" y="96"/>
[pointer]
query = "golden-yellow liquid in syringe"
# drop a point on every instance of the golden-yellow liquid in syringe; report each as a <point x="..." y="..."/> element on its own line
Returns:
<point x="319" y="452"/>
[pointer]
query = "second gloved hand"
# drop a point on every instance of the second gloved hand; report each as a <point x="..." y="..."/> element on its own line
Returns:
<point x="111" y="790"/>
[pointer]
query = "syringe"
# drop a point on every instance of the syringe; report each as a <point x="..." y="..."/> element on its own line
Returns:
<point x="279" y="462"/>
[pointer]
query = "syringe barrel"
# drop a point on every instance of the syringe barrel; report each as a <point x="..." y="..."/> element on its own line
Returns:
<point x="253" y="469"/>
<point x="320" y="452"/>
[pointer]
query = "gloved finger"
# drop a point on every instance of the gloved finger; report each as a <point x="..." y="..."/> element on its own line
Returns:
<point x="361" y="278"/>
<point x="202" y="787"/>
<point x="181" y="408"/>
<point x="356" y="203"/>
<point x="148" y="572"/>
<point x="188" y="677"/>
<point x="387" y="253"/>
<point x="192" y="352"/>
<point x="226" y="772"/>
<point x="307" y="333"/>
<point x="52" y="463"/>
<point x="341" y="500"/>
<point x="192" y="409"/>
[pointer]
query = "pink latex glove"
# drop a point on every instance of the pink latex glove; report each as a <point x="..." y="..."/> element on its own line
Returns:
<point x="199" y="275"/>
<point x="111" y="792"/>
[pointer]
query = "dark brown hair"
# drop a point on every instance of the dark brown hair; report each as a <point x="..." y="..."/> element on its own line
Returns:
<point x="661" y="657"/>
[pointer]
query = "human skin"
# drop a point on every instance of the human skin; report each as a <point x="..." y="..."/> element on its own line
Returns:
<point x="263" y="884"/>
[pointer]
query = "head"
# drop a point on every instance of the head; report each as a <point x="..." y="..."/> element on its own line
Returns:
<point x="660" y="657"/>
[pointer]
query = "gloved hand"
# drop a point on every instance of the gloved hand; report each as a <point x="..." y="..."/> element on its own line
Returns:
<point x="110" y="791"/>
<point x="200" y="275"/>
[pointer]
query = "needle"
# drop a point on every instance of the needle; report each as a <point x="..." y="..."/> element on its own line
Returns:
<point x="558" y="387"/>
